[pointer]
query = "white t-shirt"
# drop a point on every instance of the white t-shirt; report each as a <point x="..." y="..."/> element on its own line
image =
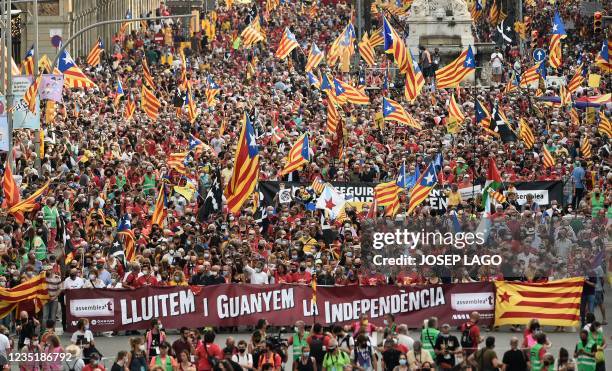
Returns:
<point x="5" y="345"/>
<point x="76" y="283"/>
<point x="257" y="278"/>
<point x="86" y="335"/>
<point x="496" y="60"/>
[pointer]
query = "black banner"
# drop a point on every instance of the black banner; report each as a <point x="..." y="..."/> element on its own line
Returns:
<point x="544" y="192"/>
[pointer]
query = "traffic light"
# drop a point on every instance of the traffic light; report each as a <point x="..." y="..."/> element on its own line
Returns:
<point x="597" y="21"/>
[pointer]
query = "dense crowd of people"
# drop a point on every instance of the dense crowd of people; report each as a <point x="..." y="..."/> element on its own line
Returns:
<point x="105" y="168"/>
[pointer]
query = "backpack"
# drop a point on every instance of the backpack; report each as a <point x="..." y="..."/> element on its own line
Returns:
<point x="214" y="361"/>
<point x="466" y="339"/>
<point x="316" y="348"/>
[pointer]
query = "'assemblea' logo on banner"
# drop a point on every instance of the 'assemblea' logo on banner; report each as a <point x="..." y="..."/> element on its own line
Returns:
<point x="92" y="307"/>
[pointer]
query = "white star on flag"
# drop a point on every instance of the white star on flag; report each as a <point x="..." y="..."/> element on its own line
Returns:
<point x="429" y="178"/>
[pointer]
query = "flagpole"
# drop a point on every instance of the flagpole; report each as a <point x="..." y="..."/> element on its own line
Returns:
<point x="37" y="159"/>
<point x="9" y="72"/>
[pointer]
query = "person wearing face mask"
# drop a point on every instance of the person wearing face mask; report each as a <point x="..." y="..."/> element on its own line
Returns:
<point x="213" y="277"/>
<point x="95" y="363"/>
<point x="243" y="358"/>
<point x="94" y="281"/>
<point x="256" y="275"/>
<point x="31" y="346"/>
<point x="302" y="276"/>
<point x="147" y="278"/>
<point x="403" y="363"/>
<point x="154" y="337"/>
<point x="26" y="328"/>
<point x="298" y="340"/>
<point x="84" y="338"/>
<point x="137" y="356"/>
<point x="305" y="362"/>
<point x="178" y="279"/>
<point x="130" y="279"/>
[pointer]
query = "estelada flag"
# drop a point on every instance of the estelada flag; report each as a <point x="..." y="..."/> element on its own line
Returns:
<point x="553" y="303"/>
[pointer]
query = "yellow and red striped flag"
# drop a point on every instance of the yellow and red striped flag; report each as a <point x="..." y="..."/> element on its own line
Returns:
<point x="333" y="117"/>
<point x="315" y="56"/>
<point x="10" y="188"/>
<point x="387" y="195"/>
<point x="27" y="204"/>
<point x="318" y="185"/>
<point x="348" y="92"/>
<point x="526" y="134"/>
<point x="377" y="38"/>
<point x="452" y="74"/>
<point x="45" y="64"/>
<point x="32" y="93"/>
<point x="393" y="44"/>
<point x="130" y="108"/>
<point x="605" y="126"/>
<point x="497" y="196"/>
<point x="149" y="103"/>
<point x="494" y="13"/>
<point x="286" y="45"/>
<point x="393" y="111"/>
<point x="420" y="191"/>
<point x="28" y="62"/>
<point x="73" y="75"/>
<point x="553" y="303"/>
<point x="454" y="111"/>
<point x="547" y="159"/>
<point x="252" y="33"/>
<point x="146" y="74"/>
<point x="530" y="76"/>
<point x="574" y="116"/>
<point x="576" y="80"/>
<point x="93" y="58"/>
<point x="176" y="161"/>
<point x="160" y="212"/>
<point x="299" y="155"/>
<point x="585" y="148"/>
<point x="34" y="289"/>
<point x="414" y="79"/>
<point x="313" y="285"/>
<point x="246" y="168"/>
<point x="192" y="111"/>
<point x="565" y="95"/>
<point x="558" y="33"/>
<point x="366" y="50"/>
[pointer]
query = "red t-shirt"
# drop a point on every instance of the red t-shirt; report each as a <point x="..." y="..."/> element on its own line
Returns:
<point x="212" y="350"/>
<point x="145" y="281"/>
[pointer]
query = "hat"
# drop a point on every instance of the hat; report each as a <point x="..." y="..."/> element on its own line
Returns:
<point x="460" y="159"/>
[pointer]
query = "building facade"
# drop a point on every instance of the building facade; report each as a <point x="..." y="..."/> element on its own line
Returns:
<point x="66" y="17"/>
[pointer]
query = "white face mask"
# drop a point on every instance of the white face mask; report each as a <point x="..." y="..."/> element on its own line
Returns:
<point x="141" y="347"/>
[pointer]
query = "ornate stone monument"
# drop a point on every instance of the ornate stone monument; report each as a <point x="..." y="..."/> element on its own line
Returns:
<point x="442" y="24"/>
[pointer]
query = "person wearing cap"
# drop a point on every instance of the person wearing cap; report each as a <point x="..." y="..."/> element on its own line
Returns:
<point x="95" y="363"/>
<point x="446" y="347"/>
<point x="164" y="359"/>
<point x="335" y="359"/>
